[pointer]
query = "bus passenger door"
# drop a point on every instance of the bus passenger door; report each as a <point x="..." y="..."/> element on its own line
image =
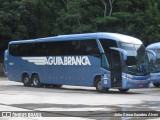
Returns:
<point x="116" y="69"/>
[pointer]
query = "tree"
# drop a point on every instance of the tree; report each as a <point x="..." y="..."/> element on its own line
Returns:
<point x="28" y="19"/>
<point x="105" y="7"/>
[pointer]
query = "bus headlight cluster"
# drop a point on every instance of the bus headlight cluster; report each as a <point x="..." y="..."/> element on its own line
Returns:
<point x="124" y="76"/>
<point x="129" y="79"/>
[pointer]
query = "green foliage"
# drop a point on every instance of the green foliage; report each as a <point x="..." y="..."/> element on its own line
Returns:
<point x="28" y="19"/>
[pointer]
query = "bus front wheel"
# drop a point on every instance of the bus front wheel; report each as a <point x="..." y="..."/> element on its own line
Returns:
<point x="123" y="90"/>
<point x="36" y="81"/>
<point x="156" y="84"/>
<point x="98" y="86"/>
<point x="26" y="80"/>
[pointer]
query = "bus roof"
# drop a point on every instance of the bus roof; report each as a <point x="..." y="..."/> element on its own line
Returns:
<point x="102" y="35"/>
<point x="153" y="46"/>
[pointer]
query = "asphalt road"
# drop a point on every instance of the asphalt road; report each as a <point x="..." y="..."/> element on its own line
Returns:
<point x="72" y="102"/>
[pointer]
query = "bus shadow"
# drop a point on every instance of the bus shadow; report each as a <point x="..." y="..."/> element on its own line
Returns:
<point x="65" y="89"/>
<point x="112" y="91"/>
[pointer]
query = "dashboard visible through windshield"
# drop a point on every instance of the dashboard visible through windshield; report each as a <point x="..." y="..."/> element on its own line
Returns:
<point x="137" y="60"/>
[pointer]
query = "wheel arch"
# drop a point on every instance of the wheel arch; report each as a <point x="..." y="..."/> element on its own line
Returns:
<point x="34" y="74"/>
<point x="24" y="73"/>
<point x="96" y="79"/>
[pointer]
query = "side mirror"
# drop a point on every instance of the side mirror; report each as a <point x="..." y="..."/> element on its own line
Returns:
<point x="124" y="52"/>
<point x="153" y="53"/>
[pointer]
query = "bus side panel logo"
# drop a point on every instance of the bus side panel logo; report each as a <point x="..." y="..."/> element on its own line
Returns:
<point x="67" y="60"/>
<point x="36" y="60"/>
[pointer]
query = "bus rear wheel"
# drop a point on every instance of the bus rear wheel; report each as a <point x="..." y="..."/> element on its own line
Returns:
<point x="156" y="84"/>
<point x="99" y="88"/>
<point x="26" y="80"/>
<point x="36" y="81"/>
<point x="123" y="90"/>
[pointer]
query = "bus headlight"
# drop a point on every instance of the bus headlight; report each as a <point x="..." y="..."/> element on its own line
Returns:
<point x="124" y="76"/>
<point x="129" y="79"/>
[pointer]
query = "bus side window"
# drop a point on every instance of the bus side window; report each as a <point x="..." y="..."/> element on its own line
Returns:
<point x="26" y="49"/>
<point x="13" y="49"/>
<point x="56" y="48"/>
<point x="106" y="44"/>
<point x="105" y="63"/>
<point x="39" y="49"/>
<point x="91" y="48"/>
<point x="77" y="47"/>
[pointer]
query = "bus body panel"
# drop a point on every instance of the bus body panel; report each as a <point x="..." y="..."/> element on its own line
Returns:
<point x="155" y="77"/>
<point x="114" y="36"/>
<point x="14" y="69"/>
<point x="80" y="75"/>
<point x="106" y="78"/>
<point x="5" y="67"/>
<point x="128" y="81"/>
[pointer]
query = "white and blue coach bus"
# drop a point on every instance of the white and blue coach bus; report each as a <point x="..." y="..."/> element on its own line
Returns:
<point x="101" y="60"/>
<point x="154" y="59"/>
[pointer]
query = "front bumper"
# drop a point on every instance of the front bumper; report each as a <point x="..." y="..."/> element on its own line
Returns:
<point x="128" y="81"/>
<point x="155" y="77"/>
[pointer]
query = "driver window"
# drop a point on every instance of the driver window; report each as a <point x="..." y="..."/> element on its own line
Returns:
<point x="105" y="63"/>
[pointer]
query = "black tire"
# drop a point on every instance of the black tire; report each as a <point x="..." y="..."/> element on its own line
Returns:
<point x="36" y="81"/>
<point x="26" y="80"/>
<point x="56" y="86"/>
<point x="99" y="87"/>
<point x="156" y="85"/>
<point x="47" y="85"/>
<point x="123" y="90"/>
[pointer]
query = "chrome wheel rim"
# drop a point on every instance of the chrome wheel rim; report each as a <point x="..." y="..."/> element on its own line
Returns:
<point x="35" y="81"/>
<point x="26" y="80"/>
<point x="99" y="86"/>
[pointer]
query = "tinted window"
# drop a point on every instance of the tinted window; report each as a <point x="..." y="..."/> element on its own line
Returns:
<point x="57" y="48"/>
<point x="21" y="49"/>
<point x="74" y="47"/>
<point x="106" y="44"/>
<point x="91" y="48"/>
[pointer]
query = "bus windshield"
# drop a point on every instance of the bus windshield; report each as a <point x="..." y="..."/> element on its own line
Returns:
<point x="155" y="65"/>
<point x="137" y="61"/>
